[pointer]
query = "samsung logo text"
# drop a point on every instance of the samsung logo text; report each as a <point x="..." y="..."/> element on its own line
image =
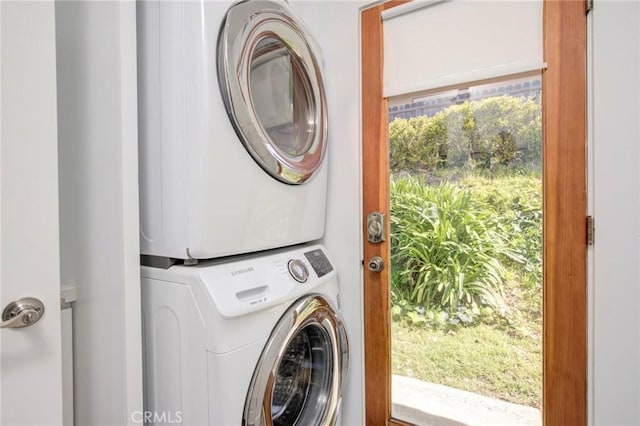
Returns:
<point x="242" y="271"/>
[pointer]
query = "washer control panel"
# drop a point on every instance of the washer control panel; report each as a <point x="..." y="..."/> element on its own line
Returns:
<point x="298" y="270"/>
<point x="239" y="285"/>
<point x="319" y="262"/>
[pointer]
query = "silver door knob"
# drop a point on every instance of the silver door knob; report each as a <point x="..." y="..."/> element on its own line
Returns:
<point x="22" y="313"/>
<point x="376" y="264"/>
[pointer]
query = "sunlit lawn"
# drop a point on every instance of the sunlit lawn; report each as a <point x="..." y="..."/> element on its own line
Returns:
<point x="484" y="359"/>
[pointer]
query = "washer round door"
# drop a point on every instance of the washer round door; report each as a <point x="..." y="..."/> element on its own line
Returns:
<point x="301" y="372"/>
<point x="272" y="86"/>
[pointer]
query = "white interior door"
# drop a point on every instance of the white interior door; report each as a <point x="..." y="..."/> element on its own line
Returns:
<point x="30" y="369"/>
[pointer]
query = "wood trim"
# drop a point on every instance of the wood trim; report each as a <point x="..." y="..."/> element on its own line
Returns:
<point x="397" y="422"/>
<point x="377" y="325"/>
<point x="377" y="320"/>
<point x="564" y="213"/>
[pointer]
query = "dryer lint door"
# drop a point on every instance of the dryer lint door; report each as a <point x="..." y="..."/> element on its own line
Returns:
<point x="301" y="372"/>
<point x="271" y="82"/>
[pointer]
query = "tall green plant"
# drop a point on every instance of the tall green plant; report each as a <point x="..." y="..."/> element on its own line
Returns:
<point x="445" y="247"/>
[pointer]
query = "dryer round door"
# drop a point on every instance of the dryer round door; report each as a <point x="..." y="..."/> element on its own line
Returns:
<point x="272" y="86"/>
<point x="301" y="372"/>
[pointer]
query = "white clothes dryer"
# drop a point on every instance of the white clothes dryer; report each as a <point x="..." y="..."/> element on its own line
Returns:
<point x="252" y="340"/>
<point x="232" y="128"/>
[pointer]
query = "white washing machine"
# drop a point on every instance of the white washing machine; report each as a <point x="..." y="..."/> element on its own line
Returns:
<point x="232" y="128"/>
<point x="251" y="340"/>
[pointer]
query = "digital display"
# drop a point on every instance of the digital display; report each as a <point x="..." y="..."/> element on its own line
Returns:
<point x="319" y="262"/>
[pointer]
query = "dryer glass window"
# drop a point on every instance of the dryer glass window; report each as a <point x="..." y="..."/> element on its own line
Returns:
<point x="303" y="379"/>
<point x="281" y="97"/>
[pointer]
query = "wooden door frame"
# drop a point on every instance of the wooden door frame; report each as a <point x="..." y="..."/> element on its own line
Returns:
<point x="564" y="216"/>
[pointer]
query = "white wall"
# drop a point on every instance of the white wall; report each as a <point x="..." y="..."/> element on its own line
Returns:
<point x="98" y="158"/>
<point x="615" y="186"/>
<point x="335" y="25"/>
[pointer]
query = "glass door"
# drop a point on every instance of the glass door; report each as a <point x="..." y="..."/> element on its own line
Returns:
<point x="563" y="106"/>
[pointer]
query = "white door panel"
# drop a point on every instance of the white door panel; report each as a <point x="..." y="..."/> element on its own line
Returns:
<point x="30" y="369"/>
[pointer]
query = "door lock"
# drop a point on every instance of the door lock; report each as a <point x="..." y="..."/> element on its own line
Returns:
<point x="22" y="313"/>
<point x="376" y="264"/>
<point x="376" y="232"/>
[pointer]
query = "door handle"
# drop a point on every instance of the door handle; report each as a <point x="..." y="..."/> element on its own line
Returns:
<point x="22" y="313"/>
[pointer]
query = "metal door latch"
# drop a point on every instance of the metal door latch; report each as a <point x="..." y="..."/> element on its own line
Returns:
<point x="22" y="313"/>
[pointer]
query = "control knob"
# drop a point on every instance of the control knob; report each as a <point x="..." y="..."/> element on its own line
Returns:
<point x="298" y="270"/>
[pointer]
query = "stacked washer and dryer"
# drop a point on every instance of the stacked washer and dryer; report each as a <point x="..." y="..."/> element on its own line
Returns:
<point x="240" y="306"/>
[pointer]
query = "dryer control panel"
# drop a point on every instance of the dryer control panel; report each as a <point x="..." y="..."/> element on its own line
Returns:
<point x="319" y="262"/>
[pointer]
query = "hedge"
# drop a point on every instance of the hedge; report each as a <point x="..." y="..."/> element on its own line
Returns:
<point x="504" y="131"/>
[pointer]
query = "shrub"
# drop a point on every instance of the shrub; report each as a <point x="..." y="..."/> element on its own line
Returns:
<point x="498" y="131"/>
<point x="508" y="130"/>
<point x="414" y="143"/>
<point x="445" y="247"/>
<point x="403" y="139"/>
<point x="517" y="202"/>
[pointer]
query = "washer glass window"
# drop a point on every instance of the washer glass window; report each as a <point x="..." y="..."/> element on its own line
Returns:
<point x="303" y="377"/>
<point x="300" y="375"/>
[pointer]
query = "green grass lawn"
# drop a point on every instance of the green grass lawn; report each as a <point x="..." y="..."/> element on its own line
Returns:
<point x="481" y="359"/>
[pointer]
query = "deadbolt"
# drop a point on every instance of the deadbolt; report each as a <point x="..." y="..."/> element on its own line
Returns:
<point x="376" y="232"/>
<point x="376" y="264"/>
<point x="22" y="313"/>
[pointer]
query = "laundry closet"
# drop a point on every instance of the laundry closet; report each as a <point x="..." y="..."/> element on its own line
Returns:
<point x="91" y="69"/>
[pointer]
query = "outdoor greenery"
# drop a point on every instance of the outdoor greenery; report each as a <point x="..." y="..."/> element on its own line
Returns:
<point x="466" y="283"/>
<point x="517" y="203"/>
<point x="454" y="246"/>
<point x="466" y="247"/>
<point x="445" y="247"/>
<point x="484" y="134"/>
